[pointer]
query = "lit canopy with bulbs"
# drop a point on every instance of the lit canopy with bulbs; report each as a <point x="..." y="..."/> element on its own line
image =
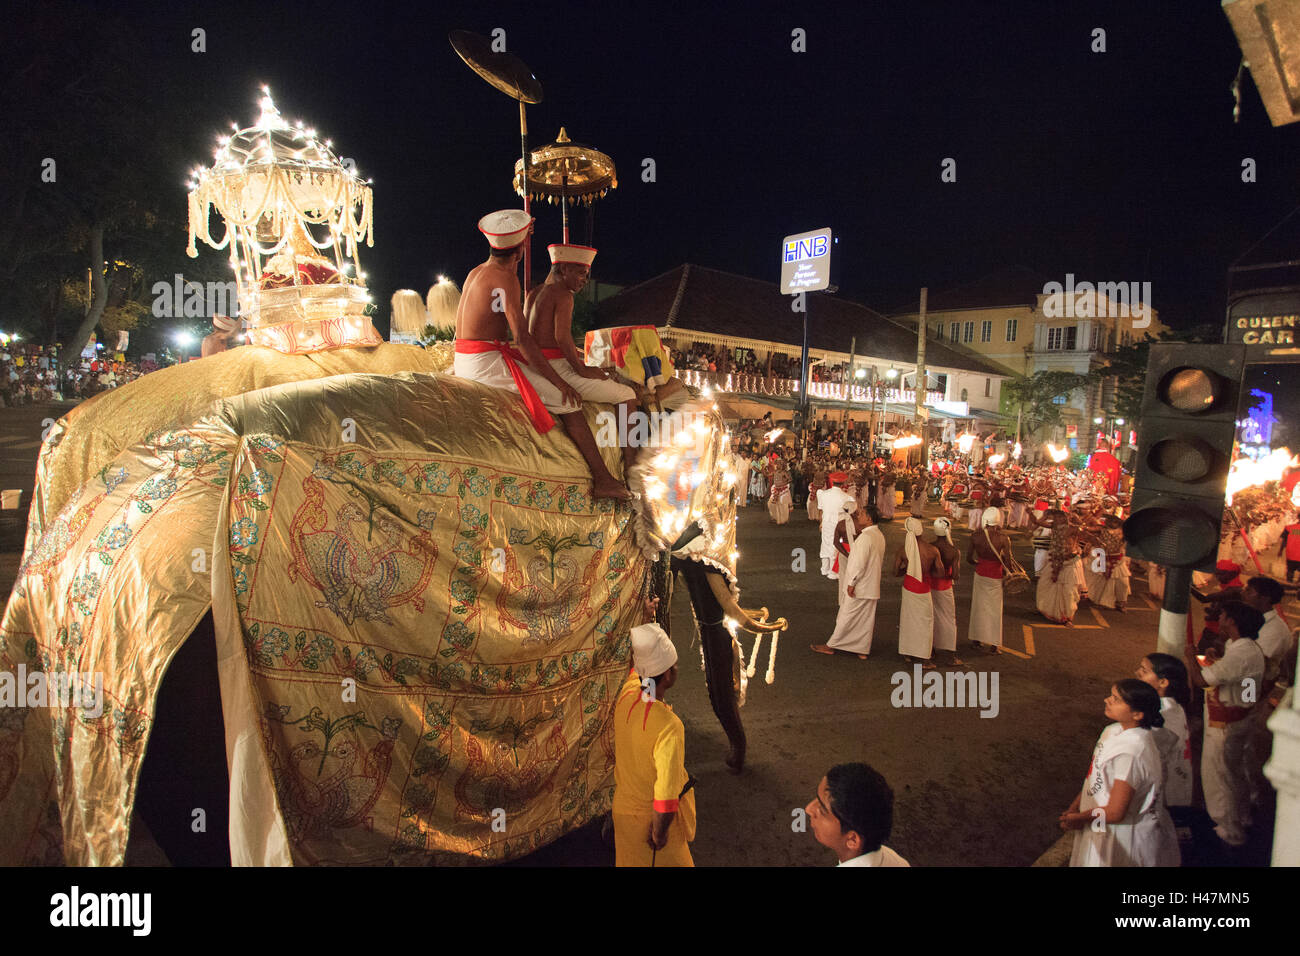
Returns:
<point x="277" y="187"/>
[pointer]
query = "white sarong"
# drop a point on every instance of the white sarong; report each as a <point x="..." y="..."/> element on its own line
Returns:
<point x="986" y="610"/>
<point x="604" y="390"/>
<point x="855" y="625"/>
<point x="489" y="368"/>
<point x="945" y="618"/>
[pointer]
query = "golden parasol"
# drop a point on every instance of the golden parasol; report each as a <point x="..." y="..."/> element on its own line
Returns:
<point x="566" y="172"/>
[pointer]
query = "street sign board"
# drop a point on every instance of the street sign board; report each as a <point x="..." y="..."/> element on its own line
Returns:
<point x="806" y="261"/>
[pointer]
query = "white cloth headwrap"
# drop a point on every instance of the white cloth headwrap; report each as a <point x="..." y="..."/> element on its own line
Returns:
<point x="225" y="323"/>
<point x="991" y="516"/>
<point x="652" y="651"/>
<point x="943" y="528"/>
<point x="914" y="529"/>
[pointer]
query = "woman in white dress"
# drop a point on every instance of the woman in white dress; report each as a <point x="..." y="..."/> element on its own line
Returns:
<point x="742" y="493"/>
<point x="1120" y="812"/>
<point x="1167" y="675"/>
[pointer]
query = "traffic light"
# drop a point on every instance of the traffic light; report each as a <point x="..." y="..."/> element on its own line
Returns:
<point x="1188" y="424"/>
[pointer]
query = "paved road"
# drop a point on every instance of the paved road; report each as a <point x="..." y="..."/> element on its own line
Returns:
<point x="968" y="790"/>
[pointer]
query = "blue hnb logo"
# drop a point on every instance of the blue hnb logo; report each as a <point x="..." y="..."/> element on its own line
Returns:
<point x="810" y="248"/>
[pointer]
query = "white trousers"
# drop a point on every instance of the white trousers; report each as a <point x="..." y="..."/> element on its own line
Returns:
<point x="1225" y="780"/>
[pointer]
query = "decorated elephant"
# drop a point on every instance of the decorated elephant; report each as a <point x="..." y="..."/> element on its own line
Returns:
<point x="419" y="618"/>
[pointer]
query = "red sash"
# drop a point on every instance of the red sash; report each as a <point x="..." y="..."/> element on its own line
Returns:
<point x="549" y="354"/>
<point x="988" y="568"/>
<point x="940" y="584"/>
<point x="916" y="587"/>
<point x="542" y="419"/>
<point x="1293" y="542"/>
<point x="1223" y="713"/>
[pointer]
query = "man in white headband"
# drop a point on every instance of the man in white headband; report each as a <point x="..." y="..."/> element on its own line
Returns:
<point x="916" y="563"/>
<point x="489" y="310"/>
<point x="941" y="593"/>
<point x="990" y="550"/>
<point x="855" y="624"/>
<point x="549" y="308"/>
<point x="654" y="805"/>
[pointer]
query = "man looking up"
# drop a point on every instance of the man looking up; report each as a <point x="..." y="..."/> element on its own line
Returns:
<point x="549" y="308"/>
<point x="852" y="814"/>
<point x="489" y="304"/>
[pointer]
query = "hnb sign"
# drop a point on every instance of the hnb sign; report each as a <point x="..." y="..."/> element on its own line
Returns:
<point x="806" y="261"/>
<point x="810" y="248"/>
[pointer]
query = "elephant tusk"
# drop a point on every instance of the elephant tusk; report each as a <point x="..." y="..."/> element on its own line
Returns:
<point x="736" y="612"/>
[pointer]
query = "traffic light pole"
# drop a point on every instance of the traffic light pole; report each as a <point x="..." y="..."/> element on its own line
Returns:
<point x="1172" y="637"/>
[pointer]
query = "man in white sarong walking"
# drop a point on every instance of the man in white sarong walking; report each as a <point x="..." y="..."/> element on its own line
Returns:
<point x="990" y="550"/>
<point x="855" y="624"/>
<point x="916" y="563"/>
<point x="941" y="593"/>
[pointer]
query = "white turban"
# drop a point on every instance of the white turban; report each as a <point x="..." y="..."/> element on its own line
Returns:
<point x="224" y="323"/>
<point x="914" y="529"/>
<point x="992" y="516"/>
<point x="943" y="528"/>
<point x="652" y="651"/>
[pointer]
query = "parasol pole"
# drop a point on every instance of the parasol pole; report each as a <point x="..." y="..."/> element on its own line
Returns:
<point x="528" y="240"/>
<point x="564" y="206"/>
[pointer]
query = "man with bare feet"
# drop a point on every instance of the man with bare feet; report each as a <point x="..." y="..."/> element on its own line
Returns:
<point x="855" y="624"/>
<point x="489" y="305"/>
<point x="549" y="308"/>
<point x="990" y="553"/>
<point x="916" y="563"/>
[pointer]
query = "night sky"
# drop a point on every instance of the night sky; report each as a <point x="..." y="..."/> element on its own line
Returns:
<point x="1121" y="166"/>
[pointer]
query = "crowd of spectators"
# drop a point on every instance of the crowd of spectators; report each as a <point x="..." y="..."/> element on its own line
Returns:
<point x="703" y="357"/>
<point x="31" y="373"/>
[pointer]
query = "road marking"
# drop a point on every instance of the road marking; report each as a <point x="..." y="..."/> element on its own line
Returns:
<point x="1097" y="614"/>
<point x="1012" y="650"/>
<point x="1029" y="639"/>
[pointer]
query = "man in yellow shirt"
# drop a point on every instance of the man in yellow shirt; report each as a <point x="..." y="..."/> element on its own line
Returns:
<point x="654" y="806"/>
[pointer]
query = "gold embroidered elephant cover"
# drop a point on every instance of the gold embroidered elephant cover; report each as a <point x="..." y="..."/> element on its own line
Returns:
<point x="422" y="622"/>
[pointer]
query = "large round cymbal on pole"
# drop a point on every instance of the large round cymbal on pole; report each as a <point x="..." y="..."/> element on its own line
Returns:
<point x="505" y="71"/>
<point x="564" y="170"/>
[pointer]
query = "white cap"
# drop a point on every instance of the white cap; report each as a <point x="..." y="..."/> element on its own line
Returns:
<point x="991" y="516"/>
<point x="652" y="651"/>
<point x="563" y="252"/>
<point x="505" y="228"/>
<point x="224" y="323"/>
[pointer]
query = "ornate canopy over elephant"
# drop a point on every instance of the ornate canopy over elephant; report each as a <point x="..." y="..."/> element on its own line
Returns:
<point x="421" y="615"/>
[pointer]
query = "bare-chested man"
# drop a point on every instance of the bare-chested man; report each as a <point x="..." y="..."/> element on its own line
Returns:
<point x="549" y="308"/>
<point x="489" y="306"/>
<point x="917" y="562"/>
<point x="990" y="551"/>
<point x="941" y="593"/>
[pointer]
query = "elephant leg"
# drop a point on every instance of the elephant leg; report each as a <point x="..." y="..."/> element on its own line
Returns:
<point x="720" y="674"/>
<point x="717" y="644"/>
